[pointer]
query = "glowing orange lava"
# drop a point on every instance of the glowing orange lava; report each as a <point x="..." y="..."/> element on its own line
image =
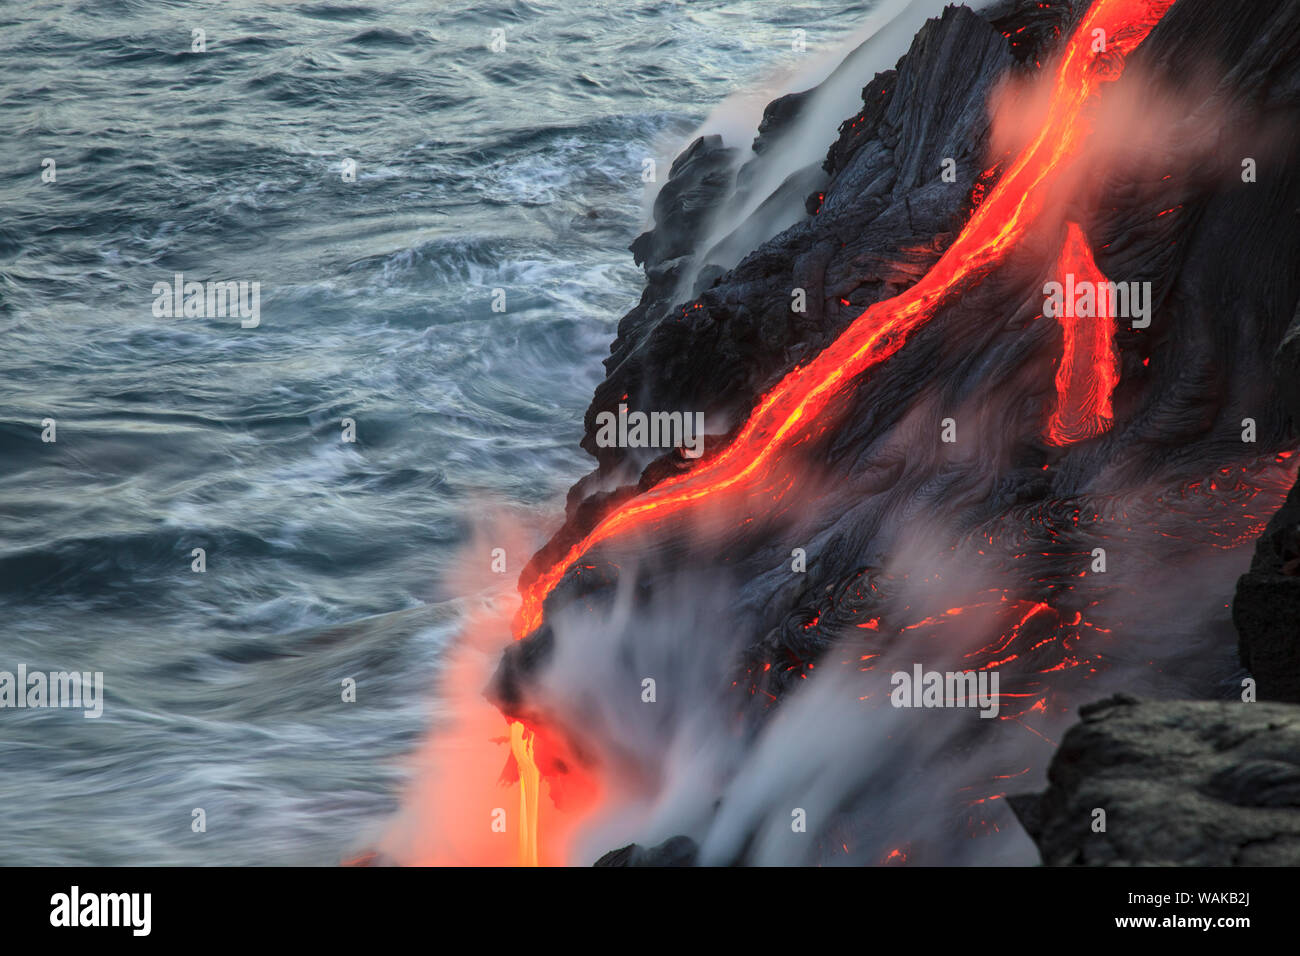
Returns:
<point x="787" y="416"/>
<point x="530" y="785"/>
<point x="1089" y="369"/>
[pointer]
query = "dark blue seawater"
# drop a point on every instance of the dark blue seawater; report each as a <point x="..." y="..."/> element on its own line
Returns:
<point x="475" y="170"/>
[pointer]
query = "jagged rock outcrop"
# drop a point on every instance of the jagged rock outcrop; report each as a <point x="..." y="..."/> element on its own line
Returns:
<point x="1266" y="608"/>
<point x="884" y="220"/>
<point x="675" y="851"/>
<point x="1202" y="783"/>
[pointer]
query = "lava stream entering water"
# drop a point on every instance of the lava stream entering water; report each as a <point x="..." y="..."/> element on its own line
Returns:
<point x="788" y="415"/>
<point x="530" y="784"/>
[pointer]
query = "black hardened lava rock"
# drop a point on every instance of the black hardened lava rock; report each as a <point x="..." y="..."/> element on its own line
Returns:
<point x="874" y="235"/>
<point x="675" y="851"/>
<point x="1266" y="609"/>
<point x="1153" y="783"/>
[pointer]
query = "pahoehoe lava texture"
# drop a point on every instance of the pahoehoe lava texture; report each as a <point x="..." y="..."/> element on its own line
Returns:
<point x="1000" y="525"/>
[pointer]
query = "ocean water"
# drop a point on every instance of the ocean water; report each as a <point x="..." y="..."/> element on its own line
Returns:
<point x="475" y="169"/>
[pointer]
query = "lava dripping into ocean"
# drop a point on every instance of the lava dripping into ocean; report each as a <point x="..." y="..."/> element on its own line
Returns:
<point x="1046" y="628"/>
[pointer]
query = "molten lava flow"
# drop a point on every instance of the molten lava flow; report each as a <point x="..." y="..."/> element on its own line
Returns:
<point x="784" y="417"/>
<point x="1089" y="369"/>
<point x="792" y="412"/>
<point x="461" y="807"/>
<point x="530" y="783"/>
